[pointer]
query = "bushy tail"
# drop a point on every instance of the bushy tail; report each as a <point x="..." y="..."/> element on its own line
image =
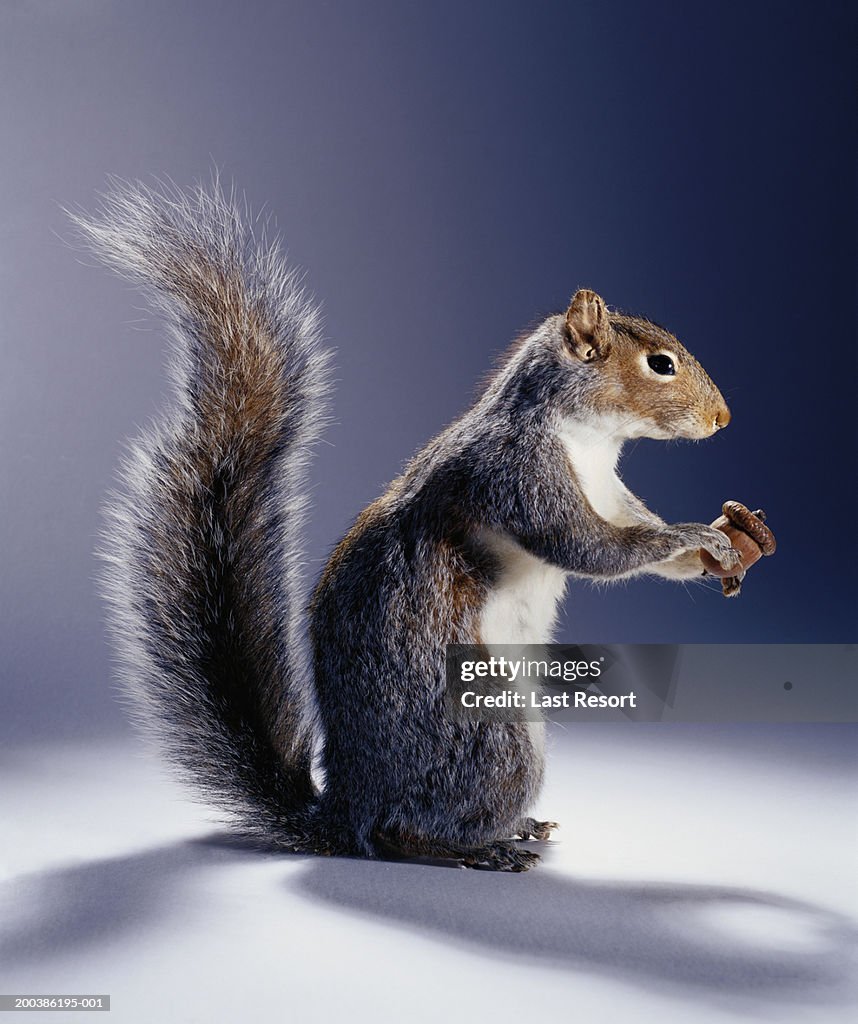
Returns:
<point x="203" y="553"/>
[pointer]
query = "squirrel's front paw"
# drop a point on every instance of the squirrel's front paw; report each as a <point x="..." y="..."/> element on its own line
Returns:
<point x="693" y="536"/>
<point x="732" y="585"/>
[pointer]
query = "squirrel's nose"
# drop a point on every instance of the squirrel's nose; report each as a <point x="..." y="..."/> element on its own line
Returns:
<point x="722" y="417"/>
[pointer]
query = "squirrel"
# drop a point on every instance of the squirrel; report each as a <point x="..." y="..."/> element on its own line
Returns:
<point x="247" y="687"/>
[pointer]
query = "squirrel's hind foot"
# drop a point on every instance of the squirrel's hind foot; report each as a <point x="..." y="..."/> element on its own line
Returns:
<point x="533" y="829"/>
<point x="503" y="856"/>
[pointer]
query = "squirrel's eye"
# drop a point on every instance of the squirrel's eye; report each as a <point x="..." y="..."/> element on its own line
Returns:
<point x="661" y="364"/>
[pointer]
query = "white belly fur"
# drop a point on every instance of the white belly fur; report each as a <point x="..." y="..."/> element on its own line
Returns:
<point x="521" y="607"/>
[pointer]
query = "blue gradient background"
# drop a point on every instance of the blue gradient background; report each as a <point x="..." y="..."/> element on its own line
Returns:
<point x="445" y="174"/>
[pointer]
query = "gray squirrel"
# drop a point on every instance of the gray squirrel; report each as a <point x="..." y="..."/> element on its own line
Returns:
<point x="471" y="544"/>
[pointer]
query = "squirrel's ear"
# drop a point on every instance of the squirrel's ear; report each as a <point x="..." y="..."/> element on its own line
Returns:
<point x="588" y="332"/>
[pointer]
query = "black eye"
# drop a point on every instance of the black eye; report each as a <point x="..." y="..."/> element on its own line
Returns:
<point x="661" y="364"/>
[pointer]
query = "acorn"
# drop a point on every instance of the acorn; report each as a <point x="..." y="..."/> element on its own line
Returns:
<point x="748" y="534"/>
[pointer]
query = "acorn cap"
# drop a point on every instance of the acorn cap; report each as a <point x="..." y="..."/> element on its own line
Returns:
<point x="751" y="523"/>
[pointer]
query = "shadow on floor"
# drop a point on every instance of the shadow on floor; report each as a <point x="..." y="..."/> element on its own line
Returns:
<point x="49" y="913"/>
<point x="655" y="934"/>
<point x="652" y="934"/>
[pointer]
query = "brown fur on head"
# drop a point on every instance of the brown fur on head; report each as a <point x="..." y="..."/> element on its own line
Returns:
<point x="645" y="376"/>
